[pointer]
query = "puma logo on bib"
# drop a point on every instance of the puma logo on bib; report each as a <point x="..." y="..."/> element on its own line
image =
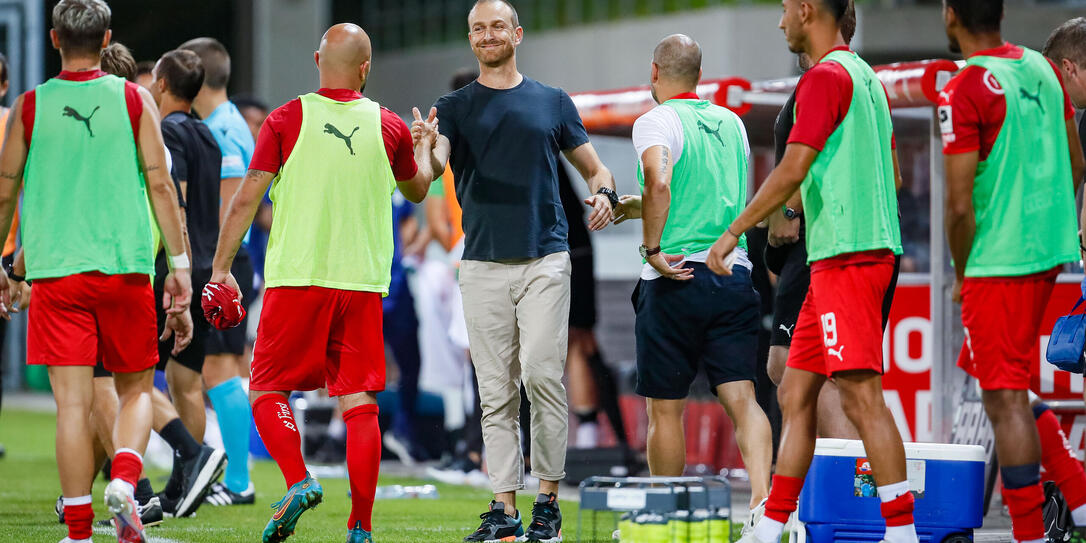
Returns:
<point x="329" y="129"/>
<point x="715" y="133"/>
<point x="69" y="111"/>
<point x="1035" y="97"/>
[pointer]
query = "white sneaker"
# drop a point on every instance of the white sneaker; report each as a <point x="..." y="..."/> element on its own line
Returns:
<point x="398" y="448"/>
<point x="756" y="514"/>
<point x="70" y="540"/>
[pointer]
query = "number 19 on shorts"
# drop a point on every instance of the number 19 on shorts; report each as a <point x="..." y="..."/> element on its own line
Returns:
<point x="829" y="329"/>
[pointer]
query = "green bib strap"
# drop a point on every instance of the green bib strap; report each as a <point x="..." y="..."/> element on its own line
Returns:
<point x="1023" y="195"/>
<point x="708" y="182"/>
<point x="85" y="205"/>
<point x="849" y="195"/>
<point x="332" y="212"/>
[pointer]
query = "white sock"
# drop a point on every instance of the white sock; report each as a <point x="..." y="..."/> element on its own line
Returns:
<point x="889" y="493"/>
<point x="81" y="500"/>
<point x="70" y="540"/>
<point x="1078" y="516"/>
<point x="901" y="534"/>
<point x="768" y="529"/>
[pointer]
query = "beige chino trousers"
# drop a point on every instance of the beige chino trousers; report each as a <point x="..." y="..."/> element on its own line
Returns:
<point x="517" y="316"/>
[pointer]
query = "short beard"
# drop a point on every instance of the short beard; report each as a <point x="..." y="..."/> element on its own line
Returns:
<point x="804" y="61"/>
<point x="954" y="45"/>
<point x="503" y="58"/>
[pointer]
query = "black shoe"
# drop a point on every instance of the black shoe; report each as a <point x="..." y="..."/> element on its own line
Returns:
<point x="219" y="494"/>
<point x="59" y="508"/>
<point x="168" y="504"/>
<point x="198" y="476"/>
<point x="497" y="526"/>
<point x="150" y="514"/>
<point x="546" y="523"/>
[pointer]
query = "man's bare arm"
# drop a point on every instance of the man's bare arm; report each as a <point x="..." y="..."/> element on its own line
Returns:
<point x="656" y="198"/>
<point x="227" y="189"/>
<point x="239" y="216"/>
<point x="439" y="157"/>
<point x="591" y="168"/>
<point x="961" y="220"/>
<point x="160" y="187"/>
<point x="12" y="164"/>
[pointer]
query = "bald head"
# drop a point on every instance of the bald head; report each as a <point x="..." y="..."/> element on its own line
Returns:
<point x="344" y="48"/>
<point x="678" y="58"/>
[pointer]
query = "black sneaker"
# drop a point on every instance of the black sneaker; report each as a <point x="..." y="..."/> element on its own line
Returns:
<point x="546" y="523"/>
<point x="59" y="509"/>
<point x="198" y="476"/>
<point x="497" y="526"/>
<point x="150" y="514"/>
<point x="168" y="504"/>
<point x="219" y="494"/>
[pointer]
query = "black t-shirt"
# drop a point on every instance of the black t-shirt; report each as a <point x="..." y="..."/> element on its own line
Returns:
<point x="505" y="146"/>
<point x="580" y="242"/>
<point x="197" y="161"/>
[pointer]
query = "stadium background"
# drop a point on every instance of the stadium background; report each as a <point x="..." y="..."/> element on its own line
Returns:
<point x="583" y="46"/>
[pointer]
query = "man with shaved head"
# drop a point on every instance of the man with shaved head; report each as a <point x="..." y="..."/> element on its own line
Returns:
<point x="504" y="134"/>
<point x="335" y="158"/>
<point x="840" y="156"/>
<point x="694" y="160"/>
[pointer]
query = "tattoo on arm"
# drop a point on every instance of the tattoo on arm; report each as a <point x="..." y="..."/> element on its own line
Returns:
<point x="665" y="156"/>
<point x="152" y="168"/>
<point x="11" y="175"/>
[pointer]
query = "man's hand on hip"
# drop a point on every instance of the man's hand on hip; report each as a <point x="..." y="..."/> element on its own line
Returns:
<point x="668" y="266"/>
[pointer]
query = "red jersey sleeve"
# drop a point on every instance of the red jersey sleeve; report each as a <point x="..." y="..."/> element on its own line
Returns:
<point x="969" y="107"/>
<point x="823" y="97"/>
<point x="135" y="106"/>
<point x="28" y="116"/>
<point x="398" y="145"/>
<point x="268" y="156"/>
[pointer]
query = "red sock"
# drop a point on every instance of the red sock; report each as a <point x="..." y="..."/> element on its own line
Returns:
<point x="1025" y="506"/>
<point x="127" y="466"/>
<point x="275" y="422"/>
<point x="79" y="519"/>
<point x="1059" y="461"/>
<point x="899" y="511"/>
<point x="363" y="462"/>
<point x="783" y="497"/>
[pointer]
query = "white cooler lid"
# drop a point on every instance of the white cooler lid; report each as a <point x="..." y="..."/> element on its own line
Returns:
<point x="919" y="451"/>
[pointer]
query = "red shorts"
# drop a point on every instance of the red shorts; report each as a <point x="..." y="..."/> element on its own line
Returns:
<point x="314" y="337"/>
<point x="82" y="319"/>
<point x="1002" y="319"/>
<point x="840" y="325"/>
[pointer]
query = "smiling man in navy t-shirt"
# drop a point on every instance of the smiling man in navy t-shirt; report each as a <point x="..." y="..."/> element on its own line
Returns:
<point x="503" y="134"/>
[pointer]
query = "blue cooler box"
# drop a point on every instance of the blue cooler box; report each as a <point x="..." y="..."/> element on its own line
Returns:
<point x="840" y="502"/>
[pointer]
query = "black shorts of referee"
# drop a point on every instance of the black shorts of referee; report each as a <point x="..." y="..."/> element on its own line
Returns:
<point x="193" y="355"/>
<point x="789" y="262"/>
<point x="232" y="340"/>
<point x="708" y="322"/>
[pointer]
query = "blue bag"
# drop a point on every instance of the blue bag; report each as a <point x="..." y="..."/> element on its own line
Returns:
<point x="1068" y="340"/>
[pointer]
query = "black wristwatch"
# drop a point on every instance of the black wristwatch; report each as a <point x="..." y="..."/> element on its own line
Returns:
<point x="646" y="252"/>
<point x="610" y="194"/>
<point x="10" y="269"/>
<point x="791" y="214"/>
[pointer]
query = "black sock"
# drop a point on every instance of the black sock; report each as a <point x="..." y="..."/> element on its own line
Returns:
<point x="180" y="439"/>
<point x="173" y="485"/>
<point x="144" y="491"/>
<point x="588" y="417"/>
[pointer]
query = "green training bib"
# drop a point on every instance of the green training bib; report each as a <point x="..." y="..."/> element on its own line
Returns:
<point x="332" y="212"/>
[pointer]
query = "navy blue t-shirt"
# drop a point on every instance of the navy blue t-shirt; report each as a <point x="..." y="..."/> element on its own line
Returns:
<point x="505" y="146"/>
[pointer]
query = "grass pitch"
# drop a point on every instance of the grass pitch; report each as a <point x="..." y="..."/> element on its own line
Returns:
<point x="29" y="487"/>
